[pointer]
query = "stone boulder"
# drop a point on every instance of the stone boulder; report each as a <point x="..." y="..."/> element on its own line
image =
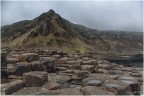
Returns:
<point x="29" y="57"/>
<point x="56" y="56"/>
<point x="41" y="52"/>
<point x="53" y="52"/>
<point x="4" y="73"/>
<point x="3" y="59"/>
<point x="75" y="66"/>
<point x="10" y="60"/>
<point x="35" y="78"/>
<point x="89" y="68"/>
<point x="49" y="64"/>
<point x="19" y="68"/>
<point x="37" y="66"/>
<point x="132" y="82"/>
<point x="60" y="53"/>
<point x="104" y="66"/>
<point x="9" y="88"/>
<point x="81" y="73"/>
<point x="53" y="77"/>
<point x="117" y="87"/>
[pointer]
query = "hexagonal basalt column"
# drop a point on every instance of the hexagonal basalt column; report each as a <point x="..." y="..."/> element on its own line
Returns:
<point x="35" y="78"/>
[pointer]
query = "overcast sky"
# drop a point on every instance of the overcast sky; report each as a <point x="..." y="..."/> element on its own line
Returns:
<point x="103" y="15"/>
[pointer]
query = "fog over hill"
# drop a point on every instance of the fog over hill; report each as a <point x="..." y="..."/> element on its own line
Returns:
<point x="102" y="15"/>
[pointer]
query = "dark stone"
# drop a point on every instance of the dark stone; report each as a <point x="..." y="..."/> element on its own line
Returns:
<point x="50" y="64"/>
<point x="35" y="78"/>
<point x="19" y="68"/>
<point x="3" y="59"/>
<point x="29" y="57"/>
<point x="37" y="66"/>
<point x="4" y="73"/>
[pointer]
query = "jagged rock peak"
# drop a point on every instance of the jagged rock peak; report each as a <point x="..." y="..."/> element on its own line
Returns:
<point x="51" y="11"/>
<point x="47" y="15"/>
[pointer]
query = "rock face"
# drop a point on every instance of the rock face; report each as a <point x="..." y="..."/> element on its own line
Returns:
<point x="35" y="78"/>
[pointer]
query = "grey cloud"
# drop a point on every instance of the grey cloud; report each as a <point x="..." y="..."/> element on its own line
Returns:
<point x="103" y="15"/>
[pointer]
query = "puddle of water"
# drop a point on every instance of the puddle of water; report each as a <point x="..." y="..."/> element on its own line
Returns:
<point x="91" y="81"/>
<point x="94" y="82"/>
<point x="128" y="82"/>
<point x="76" y="82"/>
<point x="65" y="84"/>
<point x="112" y="85"/>
<point x="126" y="77"/>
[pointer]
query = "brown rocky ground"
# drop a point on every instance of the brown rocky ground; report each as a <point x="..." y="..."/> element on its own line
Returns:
<point x="53" y="72"/>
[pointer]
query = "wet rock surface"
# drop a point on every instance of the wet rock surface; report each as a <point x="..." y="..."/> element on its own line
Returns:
<point x="52" y="72"/>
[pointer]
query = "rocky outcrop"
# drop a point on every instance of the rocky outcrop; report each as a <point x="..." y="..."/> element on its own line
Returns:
<point x="56" y="73"/>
